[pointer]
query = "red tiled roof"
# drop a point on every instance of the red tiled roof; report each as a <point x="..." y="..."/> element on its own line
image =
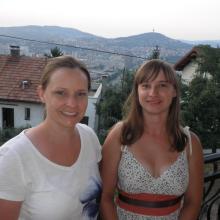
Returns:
<point x="14" y="70"/>
<point x="180" y="64"/>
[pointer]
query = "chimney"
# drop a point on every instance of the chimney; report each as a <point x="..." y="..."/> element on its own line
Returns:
<point x="25" y="84"/>
<point x="15" y="50"/>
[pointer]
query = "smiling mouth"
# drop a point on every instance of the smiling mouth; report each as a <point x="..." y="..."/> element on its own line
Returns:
<point x="69" y="113"/>
<point x="154" y="102"/>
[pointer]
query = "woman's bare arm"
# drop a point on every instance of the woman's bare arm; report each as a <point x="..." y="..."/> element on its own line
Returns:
<point x="194" y="193"/>
<point x="9" y="210"/>
<point x="109" y="172"/>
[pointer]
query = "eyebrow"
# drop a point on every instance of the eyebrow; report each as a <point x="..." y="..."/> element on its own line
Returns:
<point x="67" y="89"/>
<point x="164" y="81"/>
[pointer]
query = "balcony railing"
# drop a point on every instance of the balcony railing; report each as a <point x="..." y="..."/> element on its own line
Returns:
<point x="210" y="209"/>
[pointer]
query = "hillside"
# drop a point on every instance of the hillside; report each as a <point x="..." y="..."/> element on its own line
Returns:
<point x="45" y="32"/>
<point x="138" y="45"/>
<point x="212" y="43"/>
<point x="149" y="39"/>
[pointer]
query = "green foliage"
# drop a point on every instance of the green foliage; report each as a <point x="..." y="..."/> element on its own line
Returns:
<point x="110" y="107"/>
<point x="209" y="61"/>
<point x="201" y="99"/>
<point x="8" y="133"/>
<point x="155" y="53"/>
<point x="54" y="52"/>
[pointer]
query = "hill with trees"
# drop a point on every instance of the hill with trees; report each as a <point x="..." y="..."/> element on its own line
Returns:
<point x="138" y="45"/>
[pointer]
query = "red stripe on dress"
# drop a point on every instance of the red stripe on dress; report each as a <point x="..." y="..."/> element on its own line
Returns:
<point x="148" y="197"/>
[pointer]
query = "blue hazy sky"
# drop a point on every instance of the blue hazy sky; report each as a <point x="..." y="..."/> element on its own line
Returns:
<point x="185" y="19"/>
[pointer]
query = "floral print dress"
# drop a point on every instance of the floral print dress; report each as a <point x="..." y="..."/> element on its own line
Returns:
<point x="134" y="178"/>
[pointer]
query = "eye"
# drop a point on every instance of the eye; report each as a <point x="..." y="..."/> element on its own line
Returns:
<point x="82" y="94"/>
<point x="60" y="93"/>
<point x="163" y="85"/>
<point x="145" y="85"/>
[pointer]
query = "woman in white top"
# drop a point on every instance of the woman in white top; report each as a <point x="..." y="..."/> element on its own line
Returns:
<point x="148" y="156"/>
<point x="50" y="172"/>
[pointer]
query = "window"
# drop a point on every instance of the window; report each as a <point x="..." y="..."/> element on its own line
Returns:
<point x="27" y="114"/>
<point x="8" y="117"/>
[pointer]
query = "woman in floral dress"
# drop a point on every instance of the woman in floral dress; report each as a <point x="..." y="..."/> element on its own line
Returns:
<point x="155" y="163"/>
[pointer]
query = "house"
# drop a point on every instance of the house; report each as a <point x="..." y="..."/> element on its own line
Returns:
<point x="187" y="65"/>
<point x="20" y="105"/>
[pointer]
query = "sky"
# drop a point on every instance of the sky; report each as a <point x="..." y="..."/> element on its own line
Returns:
<point x="185" y="19"/>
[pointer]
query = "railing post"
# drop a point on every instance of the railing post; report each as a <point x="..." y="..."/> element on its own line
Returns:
<point x="210" y="209"/>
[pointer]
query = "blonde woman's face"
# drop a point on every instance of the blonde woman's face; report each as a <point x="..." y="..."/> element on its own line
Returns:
<point x="65" y="97"/>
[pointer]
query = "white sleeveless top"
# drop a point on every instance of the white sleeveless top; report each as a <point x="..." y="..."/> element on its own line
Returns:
<point x="134" y="178"/>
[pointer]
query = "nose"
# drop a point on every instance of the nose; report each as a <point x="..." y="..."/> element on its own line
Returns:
<point x="153" y="91"/>
<point x="71" y="101"/>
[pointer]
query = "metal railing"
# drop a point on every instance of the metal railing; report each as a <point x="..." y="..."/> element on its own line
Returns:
<point x="210" y="209"/>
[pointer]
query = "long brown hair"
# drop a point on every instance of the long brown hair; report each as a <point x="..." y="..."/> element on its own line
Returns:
<point x="133" y="126"/>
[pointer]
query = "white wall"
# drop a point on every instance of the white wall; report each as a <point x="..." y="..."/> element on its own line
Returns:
<point x="91" y="112"/>
<point x="189" y="72"/>
<point x="36" y="113"/>
<point x="91" y="109"/>
<point x="36" y="116"/>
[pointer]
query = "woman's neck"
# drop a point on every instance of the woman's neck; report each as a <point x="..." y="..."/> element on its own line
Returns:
<point x="57" y="134"/>
<point x="155" y="125"/>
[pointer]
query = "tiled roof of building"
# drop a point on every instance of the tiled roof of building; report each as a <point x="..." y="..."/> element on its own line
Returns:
<point x="19" y="77"/>
<point x="192" y="54"/>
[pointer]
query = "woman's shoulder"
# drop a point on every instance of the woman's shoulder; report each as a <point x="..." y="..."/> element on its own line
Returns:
<point x="85" y="129"/>
<point x="87" y="133"/>
<point x="113" y="138"/>
<point x="13" y="144"/>
<point x="83" y="126"/>
<point x="116" y="129"/>
<point x="90" y="142"/>
<point x="14" y="150"/>
<point x="194" y="144"/>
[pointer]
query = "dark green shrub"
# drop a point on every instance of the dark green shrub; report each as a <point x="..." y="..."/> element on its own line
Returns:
<point x="8" y="133"/>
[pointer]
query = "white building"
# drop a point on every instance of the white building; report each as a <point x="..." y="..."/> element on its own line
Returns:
<point x="20" y="105"/>
<point x="187" y="65"/>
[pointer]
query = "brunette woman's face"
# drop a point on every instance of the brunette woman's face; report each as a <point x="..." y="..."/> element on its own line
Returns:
<point x="155" y="96"/>
<point x="65" y="97"/>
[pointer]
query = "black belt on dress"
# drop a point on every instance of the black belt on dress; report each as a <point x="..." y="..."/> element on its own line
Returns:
<point x="149" y="204"/>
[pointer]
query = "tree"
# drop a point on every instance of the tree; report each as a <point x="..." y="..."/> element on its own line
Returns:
<point x="110" y="107"/>
<point x="54" y="52"/>
<point x="8" y="133"/>
<point x="209" y="61"/>
<point x="201" y="101"/>
<point x="155" y="53"/>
